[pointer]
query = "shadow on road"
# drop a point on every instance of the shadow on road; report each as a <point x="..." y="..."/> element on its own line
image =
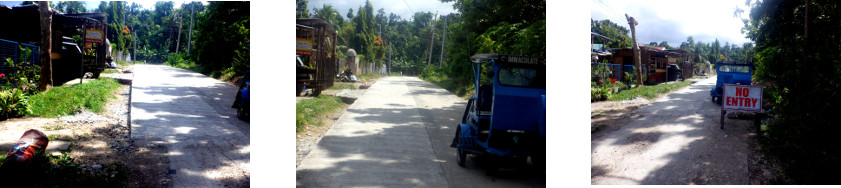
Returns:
<point x="193" y="119"/>
<point x="677" y="141"/>
<point x="389" y="128"/>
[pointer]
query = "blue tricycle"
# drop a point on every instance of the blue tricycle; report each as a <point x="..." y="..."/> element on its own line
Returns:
<point x="730" y="72"/>
<point x="242" y="102"/>
<point x="506" y="117"/>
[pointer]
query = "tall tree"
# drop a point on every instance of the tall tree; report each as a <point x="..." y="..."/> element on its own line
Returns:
<point x="801" y="71"/>
<point x="73" y="7"/>
<point x="231" y="20"/>
<point x="613" y="31"/>
<point x="301" y="9"/>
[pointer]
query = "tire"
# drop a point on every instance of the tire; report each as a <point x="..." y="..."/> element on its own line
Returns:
<point x="243" y="112"/>
<point x="713" y="99"/>
<point x="462" y="156"/>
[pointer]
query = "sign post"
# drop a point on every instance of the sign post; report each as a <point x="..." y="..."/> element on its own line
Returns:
<point x="303" y="46"/>
<point x="746" y="98"/>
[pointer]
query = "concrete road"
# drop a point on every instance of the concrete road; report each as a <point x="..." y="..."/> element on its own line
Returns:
<point x="398" y="135"/>
<point x="190" y="114"/>
<point x="676" y="140"/>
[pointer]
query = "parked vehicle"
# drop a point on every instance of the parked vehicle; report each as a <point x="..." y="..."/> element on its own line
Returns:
<point x="731" y="72"/>
<point x="243" y="99"/>
<point x="316" y="45"/>
<point x="72" y="57"/>
<point x="506" y="117"/>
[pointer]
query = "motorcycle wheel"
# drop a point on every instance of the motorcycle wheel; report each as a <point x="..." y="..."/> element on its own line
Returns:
<point x="462" y="155"/>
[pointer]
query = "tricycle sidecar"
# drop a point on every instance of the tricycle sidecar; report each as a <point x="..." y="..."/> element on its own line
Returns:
<point x="506" y="115"/>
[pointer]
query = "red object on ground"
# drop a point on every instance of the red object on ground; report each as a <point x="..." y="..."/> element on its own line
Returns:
<point x="26" y="149"/>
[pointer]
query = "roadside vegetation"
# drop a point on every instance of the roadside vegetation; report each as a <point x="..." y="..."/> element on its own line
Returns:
<point x="798" y="63"/>
<point x="310" y="112"/>
<point x="436" y="76"/>
<point x="211" y="39"/>
<point x="409" y="38"/>
<point x="63" y="171"/>
<point x="342" y="85"/>
<point x="61" y="101"/>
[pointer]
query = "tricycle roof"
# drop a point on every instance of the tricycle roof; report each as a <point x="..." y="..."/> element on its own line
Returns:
<point x="509" y="59"/>
<point x="735" y="62"/>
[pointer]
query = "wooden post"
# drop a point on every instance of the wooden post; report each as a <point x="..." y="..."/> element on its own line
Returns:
<point x="633" y="23"/>
<point x="46" y="81"/>
<point x="82" y="63"/>
<point x="723" y="112"/>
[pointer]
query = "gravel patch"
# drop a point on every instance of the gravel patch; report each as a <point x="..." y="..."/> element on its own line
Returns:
<point x="637" y="100"/>
<point x="85" y="117"/>
<point x="348" y="93"/>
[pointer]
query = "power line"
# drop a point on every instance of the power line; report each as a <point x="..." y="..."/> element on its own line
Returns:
<point x="407" y="5"/>
<point x="611" y="13"/>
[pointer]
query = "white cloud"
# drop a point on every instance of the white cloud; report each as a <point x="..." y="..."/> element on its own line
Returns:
<point x="404" y="8"/>
<point x="673" y="21"/>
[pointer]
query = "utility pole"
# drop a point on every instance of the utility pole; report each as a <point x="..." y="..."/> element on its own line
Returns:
<point x="178" y="39"/>
<point x="443" y="39"/>
<point x="431" y="39"/>
<point x="190" y="38"/>
<point x="633" y="23"/>
<point x="134" y="49"/>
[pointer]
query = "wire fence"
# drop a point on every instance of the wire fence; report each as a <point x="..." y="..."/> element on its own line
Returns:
<point x="616" y="71"/>
<point x="14" y="54"/>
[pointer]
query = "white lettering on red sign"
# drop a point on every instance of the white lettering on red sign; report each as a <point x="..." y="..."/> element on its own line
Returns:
<point x="742" y="98"/>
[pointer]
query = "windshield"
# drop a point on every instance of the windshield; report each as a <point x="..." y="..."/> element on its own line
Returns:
<point x="734" y="68"/>
<point x="532" y="77"/>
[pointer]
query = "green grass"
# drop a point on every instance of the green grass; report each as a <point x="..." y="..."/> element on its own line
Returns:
<point x="463" y="90"/>
<point x="110" y="71"/>
<point x="342" y="85"/>
<point x="68" y="100"/>
<point x="121" y="63"/>
<point x="309" y="112"/>
<point x="649" y="92"/>
<point x="368" y="77"/>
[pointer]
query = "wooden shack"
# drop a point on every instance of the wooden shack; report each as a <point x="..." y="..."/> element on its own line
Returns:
<point x="321" y="61"/>
<point x="655" y="61"/>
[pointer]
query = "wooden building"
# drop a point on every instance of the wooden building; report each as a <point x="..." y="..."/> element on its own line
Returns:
<point x="655" y="61"/>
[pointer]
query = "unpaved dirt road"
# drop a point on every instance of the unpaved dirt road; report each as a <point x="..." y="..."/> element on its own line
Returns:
<point x="398" y="135"/>
<point x="674" y="140"/>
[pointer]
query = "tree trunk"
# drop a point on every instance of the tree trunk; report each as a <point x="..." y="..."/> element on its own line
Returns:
<point x="46" y="81"/>
<point x="633" y="23"/>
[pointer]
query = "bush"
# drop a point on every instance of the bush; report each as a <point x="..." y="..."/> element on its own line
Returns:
<point x="600" y="93"/>
<point x="13" y="103"/>
<point x="180" y="61"/>
<point x="433" y="74"/>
